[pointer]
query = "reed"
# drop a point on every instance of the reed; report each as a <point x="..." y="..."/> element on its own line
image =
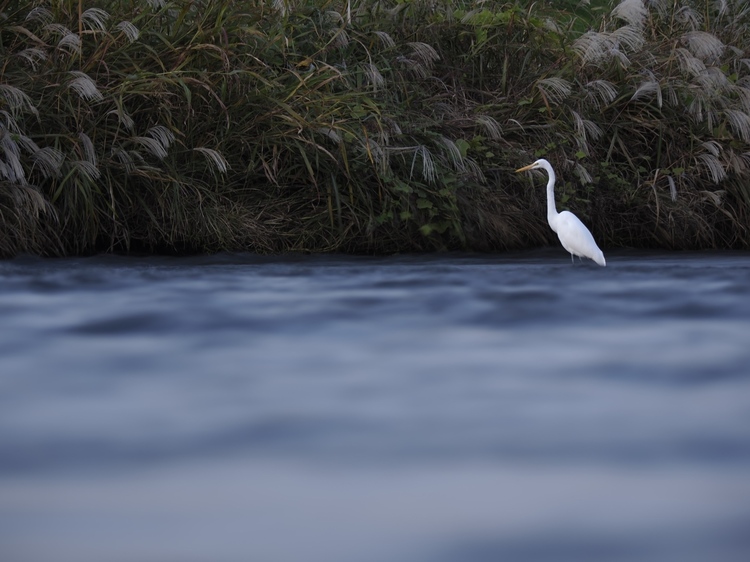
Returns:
<point x="371" y="126"/>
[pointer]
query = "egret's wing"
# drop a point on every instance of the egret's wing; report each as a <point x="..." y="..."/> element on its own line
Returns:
<point x="575" y="237"/>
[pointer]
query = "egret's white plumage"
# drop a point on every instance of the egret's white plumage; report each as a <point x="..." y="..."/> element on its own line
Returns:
<point x="573" y="234"/>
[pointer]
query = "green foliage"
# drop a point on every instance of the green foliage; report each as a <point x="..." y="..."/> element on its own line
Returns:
<point x="377" y="126"/>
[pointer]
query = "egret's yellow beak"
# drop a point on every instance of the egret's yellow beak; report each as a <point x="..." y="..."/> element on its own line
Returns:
<point x="525" y="168"/>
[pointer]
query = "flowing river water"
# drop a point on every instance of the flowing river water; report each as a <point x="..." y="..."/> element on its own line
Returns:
<point x="441" y="408"/>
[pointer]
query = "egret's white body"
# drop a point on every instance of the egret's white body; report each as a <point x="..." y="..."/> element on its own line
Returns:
<point x="573" y="234"/>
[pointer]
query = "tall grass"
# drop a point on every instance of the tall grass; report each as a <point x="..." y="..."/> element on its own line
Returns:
<point x="370" y="126"/>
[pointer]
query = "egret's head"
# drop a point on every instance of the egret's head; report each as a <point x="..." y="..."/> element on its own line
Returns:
<point x="533" y="166"/>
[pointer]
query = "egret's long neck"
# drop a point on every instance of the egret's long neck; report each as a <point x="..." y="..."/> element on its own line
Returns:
<point x="551" y="207"/>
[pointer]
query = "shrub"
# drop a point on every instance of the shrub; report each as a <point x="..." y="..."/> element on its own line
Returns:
<point x="377" y="126"/>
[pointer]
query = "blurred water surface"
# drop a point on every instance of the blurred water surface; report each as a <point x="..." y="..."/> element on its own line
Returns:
<point x="437" y="408"/>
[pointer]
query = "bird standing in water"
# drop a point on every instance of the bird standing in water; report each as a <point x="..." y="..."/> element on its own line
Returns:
<point x="573" y="234"/>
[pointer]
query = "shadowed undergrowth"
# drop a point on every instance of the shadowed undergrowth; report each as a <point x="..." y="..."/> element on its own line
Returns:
<point x="372" y="126"/>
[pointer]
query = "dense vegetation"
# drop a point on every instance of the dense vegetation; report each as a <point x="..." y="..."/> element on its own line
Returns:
<point x="370" y="126"/>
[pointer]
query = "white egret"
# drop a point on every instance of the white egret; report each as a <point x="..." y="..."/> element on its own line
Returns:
<point x="573" y="234"/>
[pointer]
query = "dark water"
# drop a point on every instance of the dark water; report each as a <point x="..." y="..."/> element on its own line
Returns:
<point x="424" y="409"/>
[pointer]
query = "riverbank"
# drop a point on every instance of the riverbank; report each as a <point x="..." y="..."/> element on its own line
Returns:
<point x="372" y="127"/>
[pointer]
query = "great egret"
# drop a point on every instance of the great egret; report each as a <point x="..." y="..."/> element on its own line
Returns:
<point x="573" y="234"/>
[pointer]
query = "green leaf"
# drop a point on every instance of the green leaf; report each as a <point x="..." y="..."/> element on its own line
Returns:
<point x="463" y="147"/>
<point x="401" y="186"/>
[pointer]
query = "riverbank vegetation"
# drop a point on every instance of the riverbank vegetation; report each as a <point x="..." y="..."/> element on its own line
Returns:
<point x="370" y="126"/>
